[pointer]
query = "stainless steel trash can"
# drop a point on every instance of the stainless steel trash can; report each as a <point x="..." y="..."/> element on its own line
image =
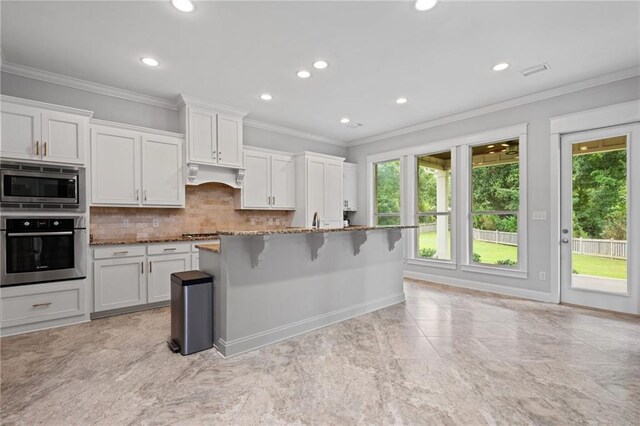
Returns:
<point x="191" y="312"/>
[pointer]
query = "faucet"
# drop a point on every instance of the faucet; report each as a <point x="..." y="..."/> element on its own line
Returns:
<point x="316" y="221"/>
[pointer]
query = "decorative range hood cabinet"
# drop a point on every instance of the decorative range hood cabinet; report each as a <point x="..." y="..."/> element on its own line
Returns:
<point x="213" y="135"/>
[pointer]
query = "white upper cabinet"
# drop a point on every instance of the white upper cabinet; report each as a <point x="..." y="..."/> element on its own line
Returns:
<point x="229" y="140"/>
<point x="269" y="181"/>
<point x="213" y="132"/>
<point x="350" y="187"/>
<point x="202" y="130"/>
<point x="115" y="166"/>
<point x="130" y="168"/>
<point x="162" y="171"/>
<point x="283" y="190"/>
<point x="34" y="133"/>
<point x="319" y="190"/>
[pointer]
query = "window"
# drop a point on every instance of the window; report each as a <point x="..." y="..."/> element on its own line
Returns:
<point x="495" y="204"/>
<point x="387" y="196"/>
<point x="433" y="206"/>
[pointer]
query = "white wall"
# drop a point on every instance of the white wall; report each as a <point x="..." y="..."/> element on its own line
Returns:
<point x="129" y="112"/>
<point x="537" y="115"/>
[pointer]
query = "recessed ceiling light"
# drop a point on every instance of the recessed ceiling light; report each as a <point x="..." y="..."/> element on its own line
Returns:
<point x="583" y="148"/>
<point x="183" y="5"/>
<point x="303" y="74"/>
<point x="501" y="66"/>
<point x="344" y="120"/>
<point x="266" y="97"/>
<point x="423" y="5"/>
<point x="490" y="146"/>
<point x="401" y="101"/>
<point x="320" y="64"/>
<point x="505" y="144"/>
<point x="492" y="152"/>
<point x="149" y="61"/>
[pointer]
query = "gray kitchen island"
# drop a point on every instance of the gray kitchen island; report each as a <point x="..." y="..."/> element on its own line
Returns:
<point x="274" y="284"/>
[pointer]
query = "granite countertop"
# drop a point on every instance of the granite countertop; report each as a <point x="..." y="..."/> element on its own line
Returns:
<point x="213" y="247"/>
<point x="309" y="230"/>
<point x="126" y="241"/>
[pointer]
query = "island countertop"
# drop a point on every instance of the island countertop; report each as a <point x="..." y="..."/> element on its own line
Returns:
<point x="310" y="230"/>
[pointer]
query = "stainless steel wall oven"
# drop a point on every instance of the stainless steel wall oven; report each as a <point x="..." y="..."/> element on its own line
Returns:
<point x="42" y="249"/>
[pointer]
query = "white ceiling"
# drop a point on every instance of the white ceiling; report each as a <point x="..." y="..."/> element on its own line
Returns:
<point x="230" y="52"/>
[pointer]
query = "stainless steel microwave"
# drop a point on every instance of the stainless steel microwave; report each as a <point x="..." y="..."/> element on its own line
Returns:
<point x="41" y="187"/>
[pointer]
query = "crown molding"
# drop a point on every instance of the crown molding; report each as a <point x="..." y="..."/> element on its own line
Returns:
<point x="87" y="86"/>
<point x="184" y="100"/>
<point x="133" y="127"/>
<point x="291" y="132"/>
<point x="44" y="105"/>
<point x="523" y="100"/>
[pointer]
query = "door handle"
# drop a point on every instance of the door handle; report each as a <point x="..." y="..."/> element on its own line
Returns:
<point x="565" y="241"/>
<point x="141" y="268"/>
<point x="150" y="267"/>
<point x="37" y="148"/>
<point x="137" y="195"/>
<point x="44" y="149"/>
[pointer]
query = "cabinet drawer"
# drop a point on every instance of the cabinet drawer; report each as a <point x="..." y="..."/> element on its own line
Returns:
<point x="196" y="250"/>
<point x="118" y="251"/>
<point x="153" y="249"/>
<point x="42" y="302"/>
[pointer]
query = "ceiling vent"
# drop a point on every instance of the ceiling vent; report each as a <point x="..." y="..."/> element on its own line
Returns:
<point x="534" y="70"/>
<point x="354" y="125"/>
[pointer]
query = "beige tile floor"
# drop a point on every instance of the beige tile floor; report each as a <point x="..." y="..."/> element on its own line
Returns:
<point x="446" y="356"/>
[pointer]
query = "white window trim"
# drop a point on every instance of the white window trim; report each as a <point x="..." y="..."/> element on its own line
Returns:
<point x="465" y="200"/>
<point x="415" y="259"/>
<point x="372" y="160"/>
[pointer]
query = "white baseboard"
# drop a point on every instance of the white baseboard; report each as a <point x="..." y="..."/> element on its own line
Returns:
<point x="44" y="325"/>
<point x="255" y="341"/>
<point x="475" y="285"/>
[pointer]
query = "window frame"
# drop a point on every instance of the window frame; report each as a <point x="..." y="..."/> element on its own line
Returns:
<point x="415" y="257"/>
<point x="466" y="161"/>
<point x="373" y="190"/>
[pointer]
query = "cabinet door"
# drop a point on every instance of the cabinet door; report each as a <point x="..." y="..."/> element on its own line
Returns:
<point x="119" y="283"/>
<point x="229" y="140"/>
<point x="333" y="200"/>
<point x="256" y="186"/>
<point x="160" y="270"/>
<point x="162" y="174"/>
<point x="115" y="167"/>
<point x="315" y="189"/>
<point x="63" y="137"/>
<point x="350" y="187"/>
<point x="201" y="137"/>
<point x="20" y="132"/>
<point x="282" y="182"/>
<point x="195" y="261"/>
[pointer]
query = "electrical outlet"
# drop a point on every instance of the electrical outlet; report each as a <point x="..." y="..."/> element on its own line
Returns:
<point x="277" y="221"/>
<point x="125" y="223"/>
<point x="156" y="223"/>
<point x="542" y="276"/>
<point x="253" y="220"/>
<point x="270" y="221"/>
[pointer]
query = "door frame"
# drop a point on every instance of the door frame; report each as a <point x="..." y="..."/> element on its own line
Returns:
<point x="593" y="119"/>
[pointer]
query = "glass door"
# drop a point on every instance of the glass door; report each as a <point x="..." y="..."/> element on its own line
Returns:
<point x="600" y="180"/>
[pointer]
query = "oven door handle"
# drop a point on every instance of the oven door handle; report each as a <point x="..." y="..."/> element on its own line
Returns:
<point x="38" y="234"/>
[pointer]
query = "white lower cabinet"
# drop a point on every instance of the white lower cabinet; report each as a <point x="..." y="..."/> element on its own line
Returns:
<point x="29" y="304"/>
<point x="135" y="275"/>
<point x="119" y="283"/>
<point x="160" y="269"/>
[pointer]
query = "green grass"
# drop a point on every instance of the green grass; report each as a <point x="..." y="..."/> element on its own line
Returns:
<point x="584" y="264"/>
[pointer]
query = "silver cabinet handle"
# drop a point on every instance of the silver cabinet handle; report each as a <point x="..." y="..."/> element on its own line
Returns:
<point x="41" y="305"/>
<point x="269" y="199"/>
<point x="120" y="252"/>
<point x="44" y="149"/>
<point x="37" y="148"/>
<point x="145" y="195"/>
<point x="274" y="200"/>
<point x="141" y="268"/>
<point x="137" y="195"/>
<point x="170" y="249"/>
<point x="150" y="266"/>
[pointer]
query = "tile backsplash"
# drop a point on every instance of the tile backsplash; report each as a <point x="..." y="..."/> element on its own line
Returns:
<point x="209" y="208"/>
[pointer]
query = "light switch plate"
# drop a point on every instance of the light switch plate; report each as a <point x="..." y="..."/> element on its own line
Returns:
<point x="541" y="215"/>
